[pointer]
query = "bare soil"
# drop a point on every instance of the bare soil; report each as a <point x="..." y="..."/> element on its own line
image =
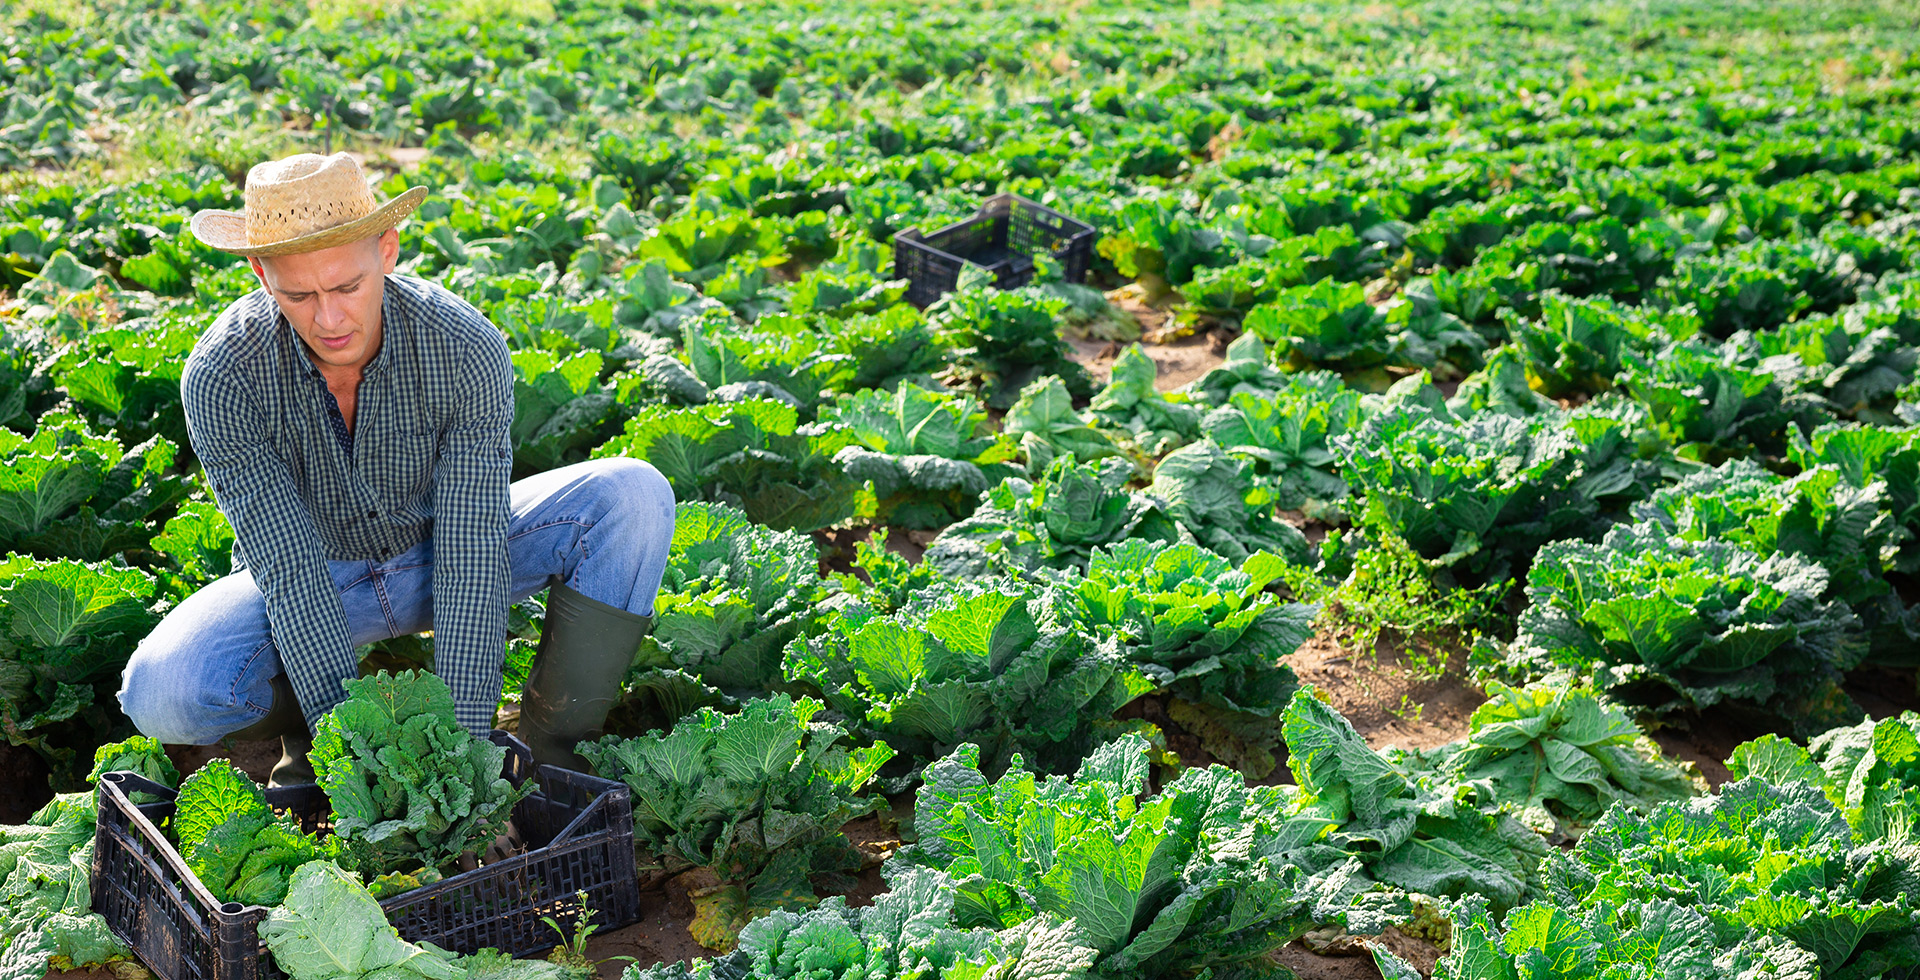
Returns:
<point x="256" y="759"/>
<point x="1391" y="699"/>
<point x="1179" y="361"/>
<point x="1706" y="745"/>
<point x="1336" y="955"/>
<point x="837" y="545"/>
<point x="1884" y="691"/>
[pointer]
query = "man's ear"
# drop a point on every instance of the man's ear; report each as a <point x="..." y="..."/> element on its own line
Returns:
<point x="259" y="271"/>
<point x="389" y="251"/>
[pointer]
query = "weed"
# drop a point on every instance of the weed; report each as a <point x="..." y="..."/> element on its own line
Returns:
<point x="1408" y="709"/>
<point x="1392" y="590"/>
<point x="572" y="951"/>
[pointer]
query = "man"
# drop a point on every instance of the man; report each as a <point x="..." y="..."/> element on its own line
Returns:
<point x="353" y="425"/>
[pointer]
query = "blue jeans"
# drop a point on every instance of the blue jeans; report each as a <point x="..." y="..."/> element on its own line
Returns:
<point x="603" y="527"/>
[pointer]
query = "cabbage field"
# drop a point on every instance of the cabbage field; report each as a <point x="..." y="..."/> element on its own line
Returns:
<point x="1466" y="524"/>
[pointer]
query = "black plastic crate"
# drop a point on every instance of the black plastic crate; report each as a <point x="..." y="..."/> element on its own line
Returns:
<point x="578" y="830"/>
<point x="1002" y="238"/>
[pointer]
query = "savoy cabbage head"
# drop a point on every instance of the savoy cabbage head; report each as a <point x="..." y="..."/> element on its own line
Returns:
<point x="234" y="842"/>
<point x="66" y="630"/>
<point x="1480" y="494"/>
<point x="781" y="355"/>
<point x="1283" y="436"/>
<point x="560" y="409"/>
<point x="1204" y="878"/>
<point x="1578" y="344"/>
<point x="1048" y="427"/>
<point x="906" y="932"/>
<point x="1004" y="339"/>
<point x="1870" y="454"/>
<point x="1208" y="634"/>
<point x="46" y="871"/>
<point x="331" y="927"/>
<point x="928" y="454"/>
<point x="1773" y="871"/>
<point x="998" y="665"/>
<point x="1410" y="828"/>
<point x="69" y="492"/>
<point x="757" y="797"/>
<point x="733" y="595"/>
<point x="1871" y="771"/>
<point x="754" y="454"/>
<point x="1670" y="624"/>
<point x="1820" y="516"/>
<point x="1246" y="370"/>
<point x="1558" y="756"/>
<point x="411" y="788"/>
<point x="1215" y="501"/>
<point x="1051" y="523"/>
<point x="1138" y="412"/>
<point x="1707" y="401"/>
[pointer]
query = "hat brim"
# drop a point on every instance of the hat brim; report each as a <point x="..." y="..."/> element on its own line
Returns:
<point x="227" y="230"/>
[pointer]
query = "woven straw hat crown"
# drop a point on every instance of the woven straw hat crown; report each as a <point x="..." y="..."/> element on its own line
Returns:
<point x="303" y="203"/>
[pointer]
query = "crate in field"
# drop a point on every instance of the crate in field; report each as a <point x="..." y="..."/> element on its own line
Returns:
<point x="579" y="835"/>
<point x="1003" y="239"/>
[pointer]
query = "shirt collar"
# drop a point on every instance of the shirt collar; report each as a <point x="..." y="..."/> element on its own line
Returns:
<point x="388" y="324"/>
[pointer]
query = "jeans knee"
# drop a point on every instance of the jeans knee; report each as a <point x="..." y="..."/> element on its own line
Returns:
<point x="634" y="478"/>
<point x="636" y="486"/>
<point x="176" y="706"/>
<point x="152" y="701"/>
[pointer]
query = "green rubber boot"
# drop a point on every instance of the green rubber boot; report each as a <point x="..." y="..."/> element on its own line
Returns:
<point x="285" y="722"/>
<point x="585" y="649"/>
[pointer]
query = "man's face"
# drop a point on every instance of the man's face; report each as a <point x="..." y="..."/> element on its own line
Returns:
<point x="332" y="298"/>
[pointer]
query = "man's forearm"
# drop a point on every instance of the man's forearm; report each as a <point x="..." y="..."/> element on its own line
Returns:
<point x="470" y="580"/>
<point x="470" y="628"/>
<point x="471" y="499"/>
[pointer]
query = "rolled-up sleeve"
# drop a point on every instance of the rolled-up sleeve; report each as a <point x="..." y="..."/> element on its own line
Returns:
<point x="470" y="502"/>
<point x="255" y="490"/>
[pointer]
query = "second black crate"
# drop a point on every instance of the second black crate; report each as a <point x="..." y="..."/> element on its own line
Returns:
<point x="1003" y="239"/>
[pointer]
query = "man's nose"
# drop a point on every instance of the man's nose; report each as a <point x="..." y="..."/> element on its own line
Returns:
<point x="332" y="313"/>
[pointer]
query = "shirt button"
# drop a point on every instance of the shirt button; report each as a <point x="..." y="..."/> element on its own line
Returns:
<point x="372" y="514"/>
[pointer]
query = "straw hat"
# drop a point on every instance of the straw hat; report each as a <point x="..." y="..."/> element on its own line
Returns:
<point x="304" y="203"/>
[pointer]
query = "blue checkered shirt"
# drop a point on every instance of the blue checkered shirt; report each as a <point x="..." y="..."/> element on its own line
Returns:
<point x="429" y="457"/>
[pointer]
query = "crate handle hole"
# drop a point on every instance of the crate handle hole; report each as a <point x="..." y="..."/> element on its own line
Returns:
<point x="232" y="908"/>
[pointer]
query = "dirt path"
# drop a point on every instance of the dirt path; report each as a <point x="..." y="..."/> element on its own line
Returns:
<point x="1179" y="361"/>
